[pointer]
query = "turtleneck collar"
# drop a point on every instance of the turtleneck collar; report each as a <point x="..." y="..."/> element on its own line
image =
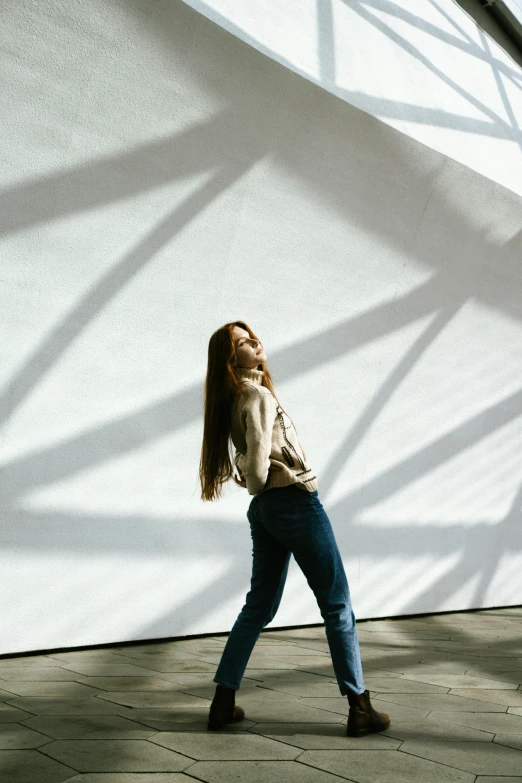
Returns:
<point x="254" y="375"/>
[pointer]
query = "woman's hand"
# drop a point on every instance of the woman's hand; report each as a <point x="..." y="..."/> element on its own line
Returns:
<point x="241" y="481"/>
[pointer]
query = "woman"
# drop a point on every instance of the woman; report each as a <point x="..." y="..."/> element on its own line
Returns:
<point x="286" y="517"/>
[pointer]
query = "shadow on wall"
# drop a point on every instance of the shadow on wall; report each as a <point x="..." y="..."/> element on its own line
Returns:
<point x="353" y="172"/>
<point x="492" y="124"/>
<point x="485" y="20"/>
<point x="380" y="15"/>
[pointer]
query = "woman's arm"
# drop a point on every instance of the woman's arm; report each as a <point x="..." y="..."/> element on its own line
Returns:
<point x="260" y="414"/>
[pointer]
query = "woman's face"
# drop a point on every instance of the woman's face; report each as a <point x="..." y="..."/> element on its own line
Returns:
<point x="249" y="351"/>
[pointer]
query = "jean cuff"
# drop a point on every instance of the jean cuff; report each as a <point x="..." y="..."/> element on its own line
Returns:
<point x="226" y="684"/>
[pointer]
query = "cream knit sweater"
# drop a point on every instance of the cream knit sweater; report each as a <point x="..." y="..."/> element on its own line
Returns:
<point x="263" y="434"/>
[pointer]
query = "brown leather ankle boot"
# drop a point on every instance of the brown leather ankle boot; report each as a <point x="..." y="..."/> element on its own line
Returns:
<point x="223" y="710"/>
<point x="362" y="718"/>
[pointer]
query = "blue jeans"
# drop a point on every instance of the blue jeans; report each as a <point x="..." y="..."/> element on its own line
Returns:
<point x="286" y="521"/>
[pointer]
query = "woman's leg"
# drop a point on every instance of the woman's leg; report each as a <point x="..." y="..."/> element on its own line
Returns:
<point x="270" y="559"/>
<point x="298" y="520"/>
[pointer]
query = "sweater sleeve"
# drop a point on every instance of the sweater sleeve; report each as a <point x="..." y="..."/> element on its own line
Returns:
<point x="259" y="415"/>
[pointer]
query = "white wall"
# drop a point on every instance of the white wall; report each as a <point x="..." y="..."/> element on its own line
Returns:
<point x="163" y="177"/>
<point x="423" y="67"/>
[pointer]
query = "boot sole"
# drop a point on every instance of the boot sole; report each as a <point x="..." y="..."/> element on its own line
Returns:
<point x="215" y="726"/>
<point x="212" y="726"/>
<point x="363" y="732"/>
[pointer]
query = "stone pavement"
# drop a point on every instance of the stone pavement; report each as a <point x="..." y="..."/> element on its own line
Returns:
<point x="137" y="713"/>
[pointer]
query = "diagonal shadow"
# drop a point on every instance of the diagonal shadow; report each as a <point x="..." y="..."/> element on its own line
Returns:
<point x="501" y="88"/>
<point x="425" y="115"/>
<point x="200" y="605"/>
<point x="468" y="45"/>
<point x="374" y="20"/>
<point x="129" y="432"/>
<point x="29" y="529"/>
<point x="496" y="33"/>
<point x="111" y="283"/>
<point x="391" y="108"/>
<point x="339" y="458"/>
<point x="383" y="107"/>
<point x="32" y="530"/>
<point x="212" y="136"/>
<point x="78" y="179"/>
<point x="62" y="459"/>
<point x="443" y="448"/>
<point x="466" y="568"/>
<point x="55" y="462"/>
<point x="325" y="42"/>
<point x="198" y="149"/>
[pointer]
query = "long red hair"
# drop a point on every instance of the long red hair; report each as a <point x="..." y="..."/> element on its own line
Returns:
<point x="222" y="384"/>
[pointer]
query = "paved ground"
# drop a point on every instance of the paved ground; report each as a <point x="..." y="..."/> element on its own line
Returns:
<point x="137" y="714"/>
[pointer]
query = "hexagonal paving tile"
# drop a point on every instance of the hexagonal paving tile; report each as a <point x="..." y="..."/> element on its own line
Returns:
<point x="501" y="675"/>
<point x="127" y="684"/>
<point x="460" y="681"/>
<point x="132" y="777"/>
<point x="444" y="702"/>
<point x="433" y="730"/>
<point x="493" y="779"/>
<point x="36" y="674"/>
<point x="218" y="746"/>
<point x="171" y="698"/>
<point x="268" y="676"/>
<point x="281" y="651"/>
<point x="88" y="727"/>
<point x="499" y="660"/>
<point x="450" y="662"/>
<point x="259" y="772"/>
<point x="401" y="685"/>
<point x="155" y="662"/>
<point x="10" y="714"/>
<point x="94" y="657"/>
<point x="485" y="721"/>
<point x="46" y="705"/>
<point x="109" y="670"/>
<point x="373" y="766"/>
<point x="53" y="689"/>
<point x="324" y="670"/>
<point x="438" y="667"/>
<point x="116" y="756"/>
<point x="290" y="686"/>
<point x="178" y="650"/>
<point x="412" y="714"/>
<point x="375" y="671"/>
<point x="473" y="757"/>
<point x="510" y="740"/>
<point x="28" y="661"/>
<point x="184" y="720"/>
<point x="508" y="698"/>
<point x="261" y="662"/>
<point x="182" y="665"/>
<point x="5" y="694"/>
<point x="322" y="736"/>
<point x="15" y="736"/>
<point x="251" y="692"/>
<point x="163" y="647"/>
<point x="176" y="679"/>
<point x="294" y="635"/>
<point x="294" y="712"/>
<point x="30" y="766"/>
<point x="304" y="688"/>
